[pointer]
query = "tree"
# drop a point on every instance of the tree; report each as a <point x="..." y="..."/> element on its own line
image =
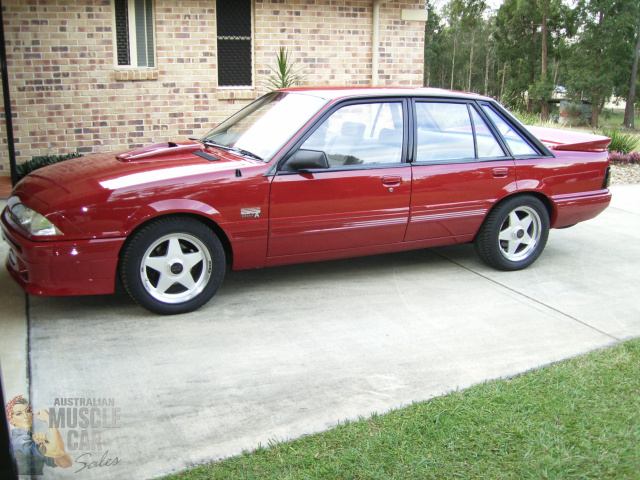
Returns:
<point x="629" y="109"/>
<point x="433" y="43"/>
<point x="544" y="4"/>
<point x="600" y="61"/>
<point x="528" y="34"/>
<point x="467" y="15"/>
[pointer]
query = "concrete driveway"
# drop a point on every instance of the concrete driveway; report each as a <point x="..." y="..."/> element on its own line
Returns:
<point x="288" y="351"/>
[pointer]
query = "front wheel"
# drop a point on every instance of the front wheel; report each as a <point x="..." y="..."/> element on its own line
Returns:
<point x="514" y="233"/>
<point x="173" y="265"/>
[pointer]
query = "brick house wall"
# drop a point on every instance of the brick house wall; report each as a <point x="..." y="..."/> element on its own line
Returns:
<point x="67" y="93"/>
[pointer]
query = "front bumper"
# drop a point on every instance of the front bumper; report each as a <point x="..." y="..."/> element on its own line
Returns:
<point x="83" y="267"/>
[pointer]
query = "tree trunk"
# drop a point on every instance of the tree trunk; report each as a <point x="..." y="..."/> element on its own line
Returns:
<point x="544" y="114"/>
<point x="453" y="60"/>
<point x="595" y="113"/>
<point x="629" y="110"/>
<point x="486" y="73"/>
<point x="504" y="74"/>
<point x="532" y="67"/>
<point x="473" y="39"/>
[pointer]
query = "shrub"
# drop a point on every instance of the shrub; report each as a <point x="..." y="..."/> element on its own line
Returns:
<point x="40" y="161"/>
<point x="622" y="159"/>
<point x="534" y="119"/>
<point x="617" y="157"/>
<point x="621" y="141"/>
<point x="525" y="117"/>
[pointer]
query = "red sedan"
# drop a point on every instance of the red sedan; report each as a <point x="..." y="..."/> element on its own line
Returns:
<point x="302" y="175"/>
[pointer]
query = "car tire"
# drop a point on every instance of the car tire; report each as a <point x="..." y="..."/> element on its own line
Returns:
<point x="514" y="233"/>
<point x="172" y="265"/>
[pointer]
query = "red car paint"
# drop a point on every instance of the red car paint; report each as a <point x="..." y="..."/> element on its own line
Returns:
<point x="266" y="218"/>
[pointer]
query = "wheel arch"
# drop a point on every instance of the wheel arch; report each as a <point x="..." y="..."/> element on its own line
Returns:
<point x="540" y="196"/>
<point x="208" y="222"/>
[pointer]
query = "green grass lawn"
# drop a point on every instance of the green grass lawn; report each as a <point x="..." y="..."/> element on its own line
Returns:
<point x="578" y="419"/>
<point x="613" y="117"/>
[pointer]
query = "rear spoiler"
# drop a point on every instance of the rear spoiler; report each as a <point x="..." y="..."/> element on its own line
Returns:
<point x="559" y="139"/>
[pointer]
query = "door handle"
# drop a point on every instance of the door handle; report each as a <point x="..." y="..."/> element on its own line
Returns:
<point x="500" y="172"/>
<point x="391" y="180"/>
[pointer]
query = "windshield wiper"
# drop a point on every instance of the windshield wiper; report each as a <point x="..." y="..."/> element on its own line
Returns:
<point x="246" y="153"/>
<point x="211" y="143"/>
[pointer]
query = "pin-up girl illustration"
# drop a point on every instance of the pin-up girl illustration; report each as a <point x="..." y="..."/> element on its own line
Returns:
<point x="32" y="452"/>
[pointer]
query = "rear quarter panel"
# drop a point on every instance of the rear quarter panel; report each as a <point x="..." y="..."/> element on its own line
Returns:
<point x="572" y="181"/>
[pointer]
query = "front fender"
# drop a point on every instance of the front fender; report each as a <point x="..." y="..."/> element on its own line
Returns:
<point x="171" y="206"/>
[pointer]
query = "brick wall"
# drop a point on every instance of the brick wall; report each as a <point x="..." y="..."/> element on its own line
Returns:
<point x="67" y="94"/>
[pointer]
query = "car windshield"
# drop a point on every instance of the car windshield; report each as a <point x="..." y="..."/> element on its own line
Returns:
<point x="264" y="127"/>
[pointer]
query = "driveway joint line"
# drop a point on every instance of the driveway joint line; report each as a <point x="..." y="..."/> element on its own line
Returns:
<point x="620" y="209"/>
<point x="29" y="372"/>
<point x="530" y="298"/>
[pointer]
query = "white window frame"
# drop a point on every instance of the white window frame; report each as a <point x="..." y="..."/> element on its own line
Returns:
<point x="133" y="41"/>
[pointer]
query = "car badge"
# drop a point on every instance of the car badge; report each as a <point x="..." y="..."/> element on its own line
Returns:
<point x="253" y="212"/>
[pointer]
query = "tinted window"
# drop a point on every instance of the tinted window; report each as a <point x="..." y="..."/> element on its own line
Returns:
<point x="515" y="141"/>
<point x="364" y="134"/>
<point x="487" y="144"/>
<point x="444" y="132"/>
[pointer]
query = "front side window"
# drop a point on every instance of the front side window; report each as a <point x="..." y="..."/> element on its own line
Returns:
<point x="134" y="22"/>
<point x="363" y="134"/>
<point x="235" y="59"/>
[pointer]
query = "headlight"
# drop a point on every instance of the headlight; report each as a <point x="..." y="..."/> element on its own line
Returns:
<point x="32" y="221"/>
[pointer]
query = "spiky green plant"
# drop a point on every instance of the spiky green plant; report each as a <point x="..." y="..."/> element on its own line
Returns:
<point x="285" y="74"/>
<point x="621" y="141"/>
<point x="40" y="161"/>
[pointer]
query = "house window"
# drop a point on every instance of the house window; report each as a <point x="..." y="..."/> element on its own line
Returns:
<point x="233" y="18"/>
<point x="135" y="44"/>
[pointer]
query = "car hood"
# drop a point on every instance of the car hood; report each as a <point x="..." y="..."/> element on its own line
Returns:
<point x="96" y="178"/>
<point x="104" y="195"/>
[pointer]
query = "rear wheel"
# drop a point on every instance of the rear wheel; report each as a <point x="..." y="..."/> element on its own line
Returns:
<point x="173" y="265"/>
<point x="514" y="233"/>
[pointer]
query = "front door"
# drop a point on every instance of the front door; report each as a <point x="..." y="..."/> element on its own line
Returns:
<point x="359" y="198"/>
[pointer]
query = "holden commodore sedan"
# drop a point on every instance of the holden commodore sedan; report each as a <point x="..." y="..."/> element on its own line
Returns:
<point x="302" y="175"/>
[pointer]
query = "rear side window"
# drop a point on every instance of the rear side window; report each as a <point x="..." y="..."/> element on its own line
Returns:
<point x="453" y="131"/>
<point x="516" y="142"/>
<point x="488" y="146"/>
<point x="444" y="132"/>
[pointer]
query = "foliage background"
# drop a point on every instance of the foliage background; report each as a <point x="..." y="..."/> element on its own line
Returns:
<point x="586" y="46"/>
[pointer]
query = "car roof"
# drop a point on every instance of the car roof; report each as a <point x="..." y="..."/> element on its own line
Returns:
<point x="334" y="93"/>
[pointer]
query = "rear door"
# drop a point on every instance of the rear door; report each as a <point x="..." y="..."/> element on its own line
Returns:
<point x="360" y="197"/>
<point x="461" y="168"/>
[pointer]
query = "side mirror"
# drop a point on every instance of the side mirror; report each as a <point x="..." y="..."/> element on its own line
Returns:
<point x="303" y="161"/>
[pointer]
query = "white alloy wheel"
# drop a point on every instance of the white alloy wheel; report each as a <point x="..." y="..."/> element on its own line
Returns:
<point x="176" y="268"/>
<point x="172" y="265"/>
<point x="519" y="233"/>
<point x="514" y="233"/>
